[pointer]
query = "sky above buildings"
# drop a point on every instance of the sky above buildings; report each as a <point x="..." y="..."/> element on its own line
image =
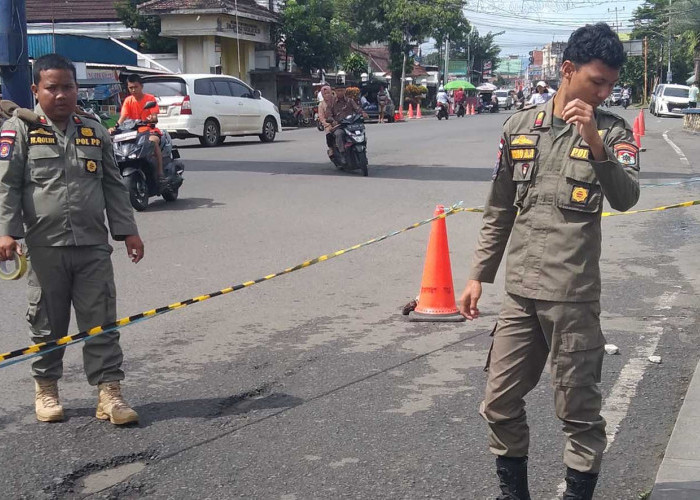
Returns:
<point x="530" y="24"/>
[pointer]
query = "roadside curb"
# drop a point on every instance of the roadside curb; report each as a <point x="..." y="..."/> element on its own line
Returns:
<point x="678" y="477"/>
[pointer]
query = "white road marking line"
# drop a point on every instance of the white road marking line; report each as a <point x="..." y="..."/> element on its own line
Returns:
<point x="616" y="405"/>
<point x="678" y="150"/>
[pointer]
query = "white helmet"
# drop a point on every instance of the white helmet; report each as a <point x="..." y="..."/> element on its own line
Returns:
<point x="441" y="88"/>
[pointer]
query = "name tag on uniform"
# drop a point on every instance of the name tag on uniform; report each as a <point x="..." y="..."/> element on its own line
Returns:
<point x="35" y="140"/>
<point x="42" y="136"/>
<point x="522" y="154"/>
<point x="579" y="153"/>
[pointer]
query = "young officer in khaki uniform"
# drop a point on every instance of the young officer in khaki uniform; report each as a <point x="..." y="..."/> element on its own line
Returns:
<point x="58" y="177"/>
<point x="555" y="164"/>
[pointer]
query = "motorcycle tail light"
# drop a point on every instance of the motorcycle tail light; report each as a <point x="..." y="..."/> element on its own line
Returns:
<point x="186" y="106"/>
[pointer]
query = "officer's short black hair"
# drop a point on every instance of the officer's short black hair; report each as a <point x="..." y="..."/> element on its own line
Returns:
<point x="595" y="41"/>
<point x="134" y="78"/>
<point x="52" y="61"/>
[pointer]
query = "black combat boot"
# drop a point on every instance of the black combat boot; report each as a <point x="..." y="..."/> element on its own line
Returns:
<point x="512" y="478"/>
<point x="579" y="485"/>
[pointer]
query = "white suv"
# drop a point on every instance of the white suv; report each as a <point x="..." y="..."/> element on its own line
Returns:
<point x="669" y="99"/>
<point x="211" y="107"/>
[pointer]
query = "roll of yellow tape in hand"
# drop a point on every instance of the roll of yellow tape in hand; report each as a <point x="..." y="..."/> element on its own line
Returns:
<point x="13" y="269"/>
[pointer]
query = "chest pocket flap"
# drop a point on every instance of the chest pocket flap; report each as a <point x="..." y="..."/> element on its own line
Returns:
<point x="90" y="161"/>
<point x="579" y="189"/>
<point x="44" y="162"/>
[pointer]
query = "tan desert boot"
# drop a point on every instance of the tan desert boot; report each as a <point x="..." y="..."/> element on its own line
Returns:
<point x="48" y="409"/>
<point x="111" y="405"/>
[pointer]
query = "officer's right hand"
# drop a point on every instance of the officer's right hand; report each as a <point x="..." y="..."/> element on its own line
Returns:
<point x="8" y="248"/>
<point x="469" y="300"/>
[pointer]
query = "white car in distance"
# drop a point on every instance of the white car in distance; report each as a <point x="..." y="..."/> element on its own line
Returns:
<point x="212" y="107"/>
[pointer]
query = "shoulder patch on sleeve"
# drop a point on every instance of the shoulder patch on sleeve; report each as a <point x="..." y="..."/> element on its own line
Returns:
<point x="626" y="153"/>
<point x="497" y="167"/>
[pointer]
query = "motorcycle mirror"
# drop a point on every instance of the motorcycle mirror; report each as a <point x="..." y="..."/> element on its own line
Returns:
<point x="150" y="105"/>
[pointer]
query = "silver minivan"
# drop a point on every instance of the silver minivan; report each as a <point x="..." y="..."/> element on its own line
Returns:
<point x="211" y="107"/>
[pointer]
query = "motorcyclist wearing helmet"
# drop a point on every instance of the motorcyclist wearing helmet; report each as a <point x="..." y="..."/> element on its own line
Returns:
<point x="442" y="97"/>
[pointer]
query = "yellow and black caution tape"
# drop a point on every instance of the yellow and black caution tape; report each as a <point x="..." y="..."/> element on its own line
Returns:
<point x="13" y="269"/>
<point x="655" y="209"/>
<point x="38" y="349"/>
<point x="16" y="356"/>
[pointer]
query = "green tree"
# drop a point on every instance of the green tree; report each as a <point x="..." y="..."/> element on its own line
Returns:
<point x="150" y="39"/>
<point x="478" y="49"/>
<point x="314" y="35"/>
<point x="401" y="23"/>
<point x="355" y="64"/>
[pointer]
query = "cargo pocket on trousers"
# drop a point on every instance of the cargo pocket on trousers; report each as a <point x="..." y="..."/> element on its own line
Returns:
<point x="33" y="312"/>
<point x="111" y="303"/>
<point x="580" y="359"/>
<point x="488" y="356"/>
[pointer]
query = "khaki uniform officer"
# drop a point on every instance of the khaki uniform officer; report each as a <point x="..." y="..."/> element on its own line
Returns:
<point x="58" y="178"/>
<point x="556" y="162"/>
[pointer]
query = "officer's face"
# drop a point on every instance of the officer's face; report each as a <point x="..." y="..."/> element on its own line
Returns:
<point x="57" y="93"/>
<point x="591" y="82"/>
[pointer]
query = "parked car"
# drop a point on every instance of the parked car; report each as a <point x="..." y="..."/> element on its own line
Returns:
<point x="669" y="99"/>
<point x="505" y="99"/>
<point x="652" y="98"/>
<point x="212" y="107"/>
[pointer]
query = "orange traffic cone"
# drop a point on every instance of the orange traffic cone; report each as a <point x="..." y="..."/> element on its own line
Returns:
<point x="450" y="111"/>
<point x="437" y="297"/>
<point x="401" y="113"/>
<point x="635" y="132"/>
<point x="642" y="125"/>
<point x="472" y="111"/>
<point x="418" y="113"/>
<point x="410" y="111"/>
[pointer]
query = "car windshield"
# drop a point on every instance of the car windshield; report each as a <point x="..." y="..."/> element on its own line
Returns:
<point x="170" y="87"/>
<point x="676" y="92"/>
<point x="502" y="93"/>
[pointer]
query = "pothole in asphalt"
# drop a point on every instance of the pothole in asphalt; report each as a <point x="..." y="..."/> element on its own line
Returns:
<point x="101" y="480"/>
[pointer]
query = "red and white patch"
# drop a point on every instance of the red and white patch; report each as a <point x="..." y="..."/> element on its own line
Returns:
<point x="626" y="154"/>
<point x="8" y="133"/>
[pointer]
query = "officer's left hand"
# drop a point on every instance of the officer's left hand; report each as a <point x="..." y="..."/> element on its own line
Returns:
<point x="581" y="114"/>
<point x="134" y="248"/>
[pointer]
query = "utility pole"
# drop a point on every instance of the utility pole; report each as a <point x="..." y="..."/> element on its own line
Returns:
<point x="669" y="75"/>
<point x="14" y="61"/>
<point x="447" y="58"/>
<point x="646" y="75"/>
<point x="617" y="26"/>
<point x="403" y="72"/>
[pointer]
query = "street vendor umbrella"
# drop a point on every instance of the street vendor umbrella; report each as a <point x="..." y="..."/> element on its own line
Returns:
<point x="459" y="84"/>
<point x="488" y="87"/>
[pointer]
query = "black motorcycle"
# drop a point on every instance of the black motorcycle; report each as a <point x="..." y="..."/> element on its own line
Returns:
<point x="137" y="163"/>
<point x="441" y="111"/>
<point x="461" y="110"/>
<point x="355" y="155"/>
<point x="625" y="101"/>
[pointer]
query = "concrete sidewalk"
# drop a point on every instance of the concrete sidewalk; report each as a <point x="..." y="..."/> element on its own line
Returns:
<point x="679" y="474"/>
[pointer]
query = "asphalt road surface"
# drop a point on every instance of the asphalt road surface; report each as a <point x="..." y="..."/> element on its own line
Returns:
<point x="312" y="385"/>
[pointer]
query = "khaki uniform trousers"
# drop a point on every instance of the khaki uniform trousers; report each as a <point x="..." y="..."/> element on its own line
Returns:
<point x="527" y="331"/>
<point x="81" y="276"/>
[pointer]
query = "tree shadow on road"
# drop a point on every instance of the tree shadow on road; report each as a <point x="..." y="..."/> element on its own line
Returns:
<point x="204" y="408"/>
<point x="412" y="172"/>
<point x="160" y="205"/>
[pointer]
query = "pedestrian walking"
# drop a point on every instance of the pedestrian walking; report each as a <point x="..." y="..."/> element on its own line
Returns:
<point x="555" y="164"/>
<point x="58" y="178"/>
<point x="693" y="95"/>
<point x="382" y="101"/>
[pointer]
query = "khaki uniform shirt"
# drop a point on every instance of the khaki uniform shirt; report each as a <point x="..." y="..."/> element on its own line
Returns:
<point x="341" y="108"/>
<point x="57" y="185"/>
<point x="547" y="195"/>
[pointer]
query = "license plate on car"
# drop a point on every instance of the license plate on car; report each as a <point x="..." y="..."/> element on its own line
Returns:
<point x="126" y="136"/>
